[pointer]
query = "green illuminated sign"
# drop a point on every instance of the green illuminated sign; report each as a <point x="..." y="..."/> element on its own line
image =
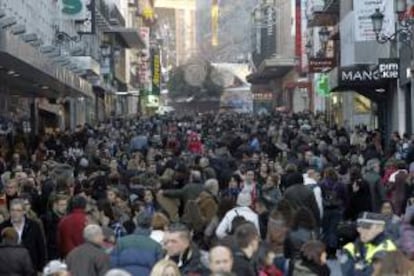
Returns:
<point x="322" y="85"/>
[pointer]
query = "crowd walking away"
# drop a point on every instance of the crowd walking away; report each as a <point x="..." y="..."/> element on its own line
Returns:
<point x="207" y="194"/>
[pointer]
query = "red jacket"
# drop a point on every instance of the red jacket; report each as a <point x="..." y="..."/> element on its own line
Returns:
<point x="70" y="231"/>
<point x="270" y="271"/>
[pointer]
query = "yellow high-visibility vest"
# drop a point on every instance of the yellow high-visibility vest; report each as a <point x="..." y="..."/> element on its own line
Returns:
<point x="370" y="249"/>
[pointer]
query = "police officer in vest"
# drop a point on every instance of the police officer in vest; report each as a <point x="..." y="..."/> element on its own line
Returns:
<point x="357" y="257"/>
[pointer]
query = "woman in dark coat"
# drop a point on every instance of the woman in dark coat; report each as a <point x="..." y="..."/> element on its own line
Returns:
<point x="303" y="230"/>
<point x="14" y="259"/>
<point x="359" y="195"/>
<point x="312" y="261"/>
<point x="334" y="200"/>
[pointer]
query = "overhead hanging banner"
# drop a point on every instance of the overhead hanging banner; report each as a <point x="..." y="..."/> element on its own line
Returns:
<point x="363" y="24"/>
<point x="156" y="71"/>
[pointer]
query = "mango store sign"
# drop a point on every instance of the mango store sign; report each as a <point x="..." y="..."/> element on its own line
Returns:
<point x="359" y="74"/>
<point x="385" y="70"/>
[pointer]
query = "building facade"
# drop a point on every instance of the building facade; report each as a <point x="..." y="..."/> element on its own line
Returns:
<point x="224" y="31"/>
<point x="177" y="28"/>
<point x="61" y="65"/>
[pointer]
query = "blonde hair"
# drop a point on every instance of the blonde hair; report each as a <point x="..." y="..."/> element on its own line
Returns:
<point x="160" y="267"/>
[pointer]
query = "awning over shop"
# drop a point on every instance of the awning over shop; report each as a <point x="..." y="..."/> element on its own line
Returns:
<point x="129" y="36"/>
<point x="275" y="67"/>
<point x="361" y="78"/>
<point x="27" y="71"/>
<point x="87" y="64"/>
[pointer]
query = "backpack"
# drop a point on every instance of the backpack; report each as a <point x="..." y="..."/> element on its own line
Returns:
<point x="236" y="222"/>
<point x="330" y="198"/>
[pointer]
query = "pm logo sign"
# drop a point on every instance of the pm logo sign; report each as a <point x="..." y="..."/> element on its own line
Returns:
<point x="389" y="68"/>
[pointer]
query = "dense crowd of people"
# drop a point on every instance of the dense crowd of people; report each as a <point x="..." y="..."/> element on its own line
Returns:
<point x="208" y="194"/>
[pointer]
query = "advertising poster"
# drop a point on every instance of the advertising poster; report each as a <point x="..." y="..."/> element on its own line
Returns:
<point x="363" y="23"/>
<point x="156" y="71"/>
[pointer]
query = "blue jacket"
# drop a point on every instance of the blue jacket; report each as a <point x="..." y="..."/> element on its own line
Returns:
<point x="136" y="253"/>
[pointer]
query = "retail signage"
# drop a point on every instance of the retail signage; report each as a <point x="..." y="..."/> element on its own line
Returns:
<point x="298" y="31"/>
<point x="303" y="27"/>
<point x="74" y="9"/>
<point x="389" y="68"/>
<point x="322" y="85"/>
<point x="363" y="23"/>
<point x="143" y="69"/>
<point x="263" y="96"/>
<point x="300" y="34"/>
<point x="313" y="6"/>
<point x="152" y="101"/>
<point x="156" y="71"/>
<point x="364" y="73"/>
<point x="146" y="11"/>
<point x="320" y="65"/>
<point x="359" y="73"/>
<point x="214" y="23"/>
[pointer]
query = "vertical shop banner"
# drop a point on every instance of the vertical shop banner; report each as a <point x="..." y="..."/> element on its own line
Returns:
<point x="363" y="23"/>
<point x="214" y="22"/>
<point x="146" y="11"/>
<point x="143" y="70"/>
<point x="145" y="35"/>
<point x="298" y="33"/>
<point x="156" y="71"/>
<point x="304" y="27"/>
<point x="321" y="59"/>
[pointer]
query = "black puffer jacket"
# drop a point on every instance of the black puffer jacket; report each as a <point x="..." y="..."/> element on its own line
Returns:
<point x="15" y="261"/>
<point x="50" y="223"/>
<point x="301" y="196"/>
<point x="190" y="262"/>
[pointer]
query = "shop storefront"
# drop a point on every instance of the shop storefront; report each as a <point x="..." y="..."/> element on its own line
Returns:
<point x="29" y="74"/>
<point x="376" y="86"/>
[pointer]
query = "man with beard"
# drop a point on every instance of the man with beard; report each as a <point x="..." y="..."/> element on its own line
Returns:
<point x="50" y="222"/>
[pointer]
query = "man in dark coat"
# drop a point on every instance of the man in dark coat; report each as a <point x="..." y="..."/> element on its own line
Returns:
<point x="247" y="241"/>
<point x="190" y="191"/>
<point x="301" y="196"/>
<point x="14" y="259"/>
<point x="179" y="248"/>
<point x="29" y="233"/>
<point x="89" y="258"/>
<point x="170" y="199"/>
<point x="373" y="177"/>
<point x="50" y="223"/>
